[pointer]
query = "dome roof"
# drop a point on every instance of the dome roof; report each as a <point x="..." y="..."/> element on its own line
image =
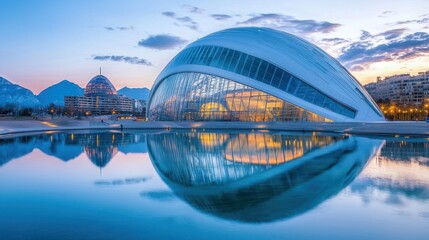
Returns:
<point x="314" y="80"/>
<point x="100" y="86"/>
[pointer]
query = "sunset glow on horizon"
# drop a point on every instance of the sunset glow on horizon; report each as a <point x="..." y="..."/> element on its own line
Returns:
<point x="46" y="41"/>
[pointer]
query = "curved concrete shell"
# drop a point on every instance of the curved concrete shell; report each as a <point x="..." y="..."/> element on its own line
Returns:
<point x="258" y="74"/>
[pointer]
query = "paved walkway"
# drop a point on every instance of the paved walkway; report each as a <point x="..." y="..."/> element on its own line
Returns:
<point x="8" y="127"/>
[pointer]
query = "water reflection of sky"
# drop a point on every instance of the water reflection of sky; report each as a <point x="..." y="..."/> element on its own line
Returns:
<point x="232" y="185"/>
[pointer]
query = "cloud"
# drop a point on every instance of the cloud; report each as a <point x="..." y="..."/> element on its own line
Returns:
<point x="394" y="33"/>
<point x="385" y="14"/>
<point x="357" y="68"/>
<point x="359" y="55"/>
<point x="162" y="42"/>
<point x="186" y="21"/>
<point x="115" y="58"/>
<point x="387" y="35"/>
<point x="423" y="20"/>
<point x="193" y="9"/>
<point x="169" y="14"/>
<point x="220" y="17"/>
<point x="119" y="28"/>
<point x="365" y="35"/>
<point x="284" y="22"/>
<point x="415" y="54"/>
<point x="335" y="41"/>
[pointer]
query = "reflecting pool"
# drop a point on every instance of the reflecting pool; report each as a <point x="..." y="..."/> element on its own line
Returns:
<point x="213" y="185"/>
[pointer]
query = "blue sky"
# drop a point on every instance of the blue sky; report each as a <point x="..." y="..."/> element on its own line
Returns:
<point x="44" y="42"/>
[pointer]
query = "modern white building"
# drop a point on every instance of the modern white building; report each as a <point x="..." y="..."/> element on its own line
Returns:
<point x="258" y="74"/>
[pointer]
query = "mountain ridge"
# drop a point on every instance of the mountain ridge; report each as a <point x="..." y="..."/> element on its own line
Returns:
<point x="136" y="93"/>
<point x="14" y="94"/>
<point x="55" y="93"/>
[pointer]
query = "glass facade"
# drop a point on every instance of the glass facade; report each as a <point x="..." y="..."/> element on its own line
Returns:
<point x="260" y="70"/>
<point x="202" y="97"/>
<point x="99" y="86"/>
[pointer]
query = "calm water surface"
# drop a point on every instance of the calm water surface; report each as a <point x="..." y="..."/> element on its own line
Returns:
<point x="213" y="185"/>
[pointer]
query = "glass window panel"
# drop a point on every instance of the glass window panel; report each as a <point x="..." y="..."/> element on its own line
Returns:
<point x="247" y="66"/>
<point x="223" y="57"/>
<point x="227" y="59"/>
<point x="241" y="63"/>
<point x="275" y="82"/>
<point x="206" y="55"/>
<point x="200" y="55"/>
<point x="319" y="99"/>
<point x="301" y="90"/>
<point x="192" y="55"/>
<point x="211" y="54"/>
<point x="261" y="71"/>
<point x="254" y="68"/>
<point x="285" y="80"/>
<point x="269" y="73"/>
<point x="293" y="85"/>
<point x="310" y="95"/>
<point x="216" y="58"/>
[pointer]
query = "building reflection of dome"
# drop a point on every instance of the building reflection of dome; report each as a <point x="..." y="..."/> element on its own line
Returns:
<point x="100" y="86"/>
<point x="248" y="184"/>
<point x="102" y="147"/>
<point x="101" y="156"/>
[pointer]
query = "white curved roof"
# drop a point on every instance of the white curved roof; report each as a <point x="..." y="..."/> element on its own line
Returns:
<point x="298" y="57"/>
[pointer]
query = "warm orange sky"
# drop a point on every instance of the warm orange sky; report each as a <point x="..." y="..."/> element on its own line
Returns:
<point x="44" y="42"/>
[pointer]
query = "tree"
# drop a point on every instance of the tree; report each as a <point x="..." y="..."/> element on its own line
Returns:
<point x="52" y="109"/>
<point x="26" y="112"/>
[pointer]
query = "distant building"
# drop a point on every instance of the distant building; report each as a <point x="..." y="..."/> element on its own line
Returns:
<point x="402" y="90"/>
<point x="140" y="106"/>
<point x="100" y="98"/>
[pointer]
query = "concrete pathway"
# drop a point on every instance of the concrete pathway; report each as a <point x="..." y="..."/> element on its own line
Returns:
<point x="9" y="127"/>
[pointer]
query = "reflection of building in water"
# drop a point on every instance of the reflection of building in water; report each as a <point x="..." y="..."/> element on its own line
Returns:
<point x="273" y="149"/>
<point x="399" y="174"/>
<point x="257" y="177"/>
<point x="100" y="154"/>
<point x="406" y="150"/>
<point x="99" y="147"/>
<point x="262" y="151"/>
